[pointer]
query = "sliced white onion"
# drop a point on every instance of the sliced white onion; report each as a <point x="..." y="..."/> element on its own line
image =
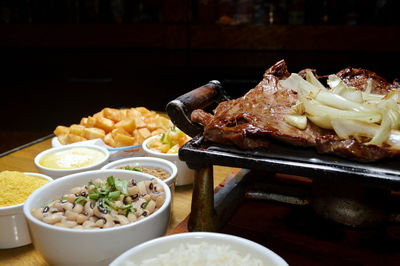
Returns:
<point x="322" y="121"/>
<point x="299" y="121"/>
<point x="313" y="80"/>
<point x="301" y="86"/>
<point x="337" y="101"/>
<point x="346" y="128"/>
<point x="315" y="108"/>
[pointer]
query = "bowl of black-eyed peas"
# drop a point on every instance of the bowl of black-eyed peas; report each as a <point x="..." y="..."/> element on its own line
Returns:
<point x="92" y="217"/>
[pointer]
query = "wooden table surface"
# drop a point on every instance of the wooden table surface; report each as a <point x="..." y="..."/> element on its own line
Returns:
<point x="22" y="160"/>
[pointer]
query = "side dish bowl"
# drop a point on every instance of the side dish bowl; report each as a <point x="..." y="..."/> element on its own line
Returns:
<point x="66" y="246"/>
<point x="149" y="162"/>
<point x="60" y="172"/>
<point x="244" y="248"/>
<point x="185" y="174"/>
<point x="13" y="227"/>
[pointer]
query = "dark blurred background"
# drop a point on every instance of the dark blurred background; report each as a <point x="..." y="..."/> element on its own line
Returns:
<point x="65" y="59"/>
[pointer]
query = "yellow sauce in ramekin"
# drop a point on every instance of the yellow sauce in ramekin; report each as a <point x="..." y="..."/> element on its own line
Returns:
<point x="72" y="158"/>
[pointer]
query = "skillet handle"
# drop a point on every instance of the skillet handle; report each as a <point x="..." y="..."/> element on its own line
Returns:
<point x="180" y="109"/>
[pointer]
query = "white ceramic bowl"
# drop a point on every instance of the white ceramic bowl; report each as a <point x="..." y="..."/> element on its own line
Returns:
<point x="13" y="228"/>
<point x="148" y="162"/>
<point x="56" y="173"/>
<point x="161" y="245"/>
<point x="64" y="246"/>
<point x="185" y="174"/>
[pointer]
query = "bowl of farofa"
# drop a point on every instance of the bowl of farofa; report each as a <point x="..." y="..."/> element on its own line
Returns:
<point x="98" y="232"/>
<point x="160" y="168"/>
<point x="199" y="249"/>
<point x="15" y="187"/>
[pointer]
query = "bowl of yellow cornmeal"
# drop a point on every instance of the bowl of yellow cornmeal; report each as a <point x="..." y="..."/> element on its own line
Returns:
<point x="15" y="188"/>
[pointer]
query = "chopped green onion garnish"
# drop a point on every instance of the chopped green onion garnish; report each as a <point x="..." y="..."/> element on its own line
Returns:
<point x="122" y="185"/>
<point x="114" y="195"/>
<point x="111" y="182"/>
<point x="94" y="196"/>
<point x="81" y="198"/>
<point x="147" y="203"/>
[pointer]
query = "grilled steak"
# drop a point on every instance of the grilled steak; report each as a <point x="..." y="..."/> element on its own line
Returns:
<point x="252" y="120"/>
<point x="247" y="122"/>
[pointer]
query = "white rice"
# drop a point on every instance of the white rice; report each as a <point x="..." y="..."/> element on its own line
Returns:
<point x="200" y="255"/>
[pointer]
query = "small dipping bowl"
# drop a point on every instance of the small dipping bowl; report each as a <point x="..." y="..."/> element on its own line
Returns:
<point x="70" y="159"/>
<point x="149" y="162"/>
<point x="13" y="228"/>
<point x="185" y="174"/>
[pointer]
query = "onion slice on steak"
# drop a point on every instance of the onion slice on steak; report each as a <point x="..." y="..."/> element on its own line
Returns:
<point x="346" y="110"/>
<point x="345" y="128"/>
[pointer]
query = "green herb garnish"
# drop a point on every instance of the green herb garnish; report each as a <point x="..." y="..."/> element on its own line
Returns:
<point x="111" y="182"/>
<point x="162" y="137"/>
<point x="94" y="196"/>
<point x="122" y="186"/>
<point x="80" y="199"/>
<point x="114" y="195"/>
<point x="147" y="203"/>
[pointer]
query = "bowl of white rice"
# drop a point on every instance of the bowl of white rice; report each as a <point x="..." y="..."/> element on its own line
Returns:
<point x="199" y="249"/>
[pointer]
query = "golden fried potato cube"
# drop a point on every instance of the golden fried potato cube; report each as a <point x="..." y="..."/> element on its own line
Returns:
<point x="120" y="130"/>
<point x="138" y="138"/>
<point x="99" y="114"/>
<point x="150" y="116"/>
<point x="164" y="122"/>
<point x="127" y="124"/>
<point x="152" y="126"/>
<point x="62" y="139"/>
<point x="122" y="140"/>
<point x="123" y="113"/>
<point x="83" y="121"/>
<point x="144" y="133"/>
<point x="91" y="121"/>
<point x="93" y="133"/>
<point x="133" y="113"/>
<point x="72" y="138"/>
<point x="77" y="129"/>
<point x="139" y="122"/>
<point x="143" y="110"/>
<point x="158" y="131"/>
<point x="61" y="130"/>
<point x="104" y="123"/>
<point x="109" y="140"/>
<point x="113" y="114"/>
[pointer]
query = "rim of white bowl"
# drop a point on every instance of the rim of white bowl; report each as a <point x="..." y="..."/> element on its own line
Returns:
<point x="207" y="236"/>
<point x="9" y="208"/>
<point x="71" y="146"/>
<point x="30" y="217"/>
<point x="144" y="146"/>
<point x="171" y="165"/>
